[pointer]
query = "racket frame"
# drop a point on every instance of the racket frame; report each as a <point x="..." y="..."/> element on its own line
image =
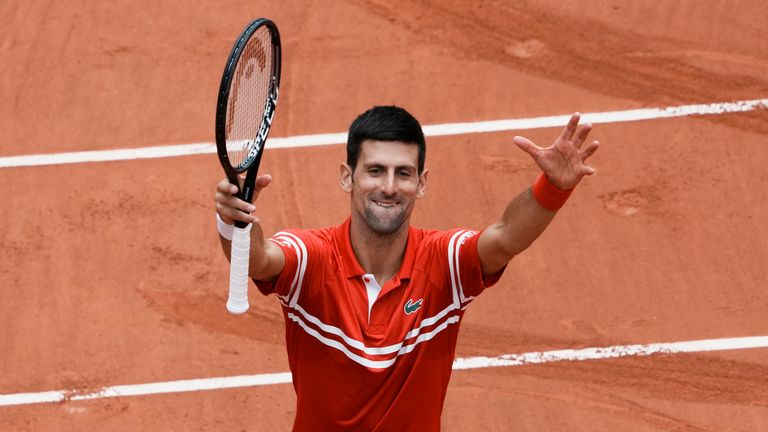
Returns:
<point x="253" y="160"/>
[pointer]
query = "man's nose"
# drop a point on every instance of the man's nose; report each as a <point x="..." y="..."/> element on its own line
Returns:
<point x="388" y="186"/>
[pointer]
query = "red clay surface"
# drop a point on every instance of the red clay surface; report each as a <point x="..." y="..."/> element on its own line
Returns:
<point x="111" y="272"/>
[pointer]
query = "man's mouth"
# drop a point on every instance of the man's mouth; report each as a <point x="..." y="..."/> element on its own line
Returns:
<point x="385" y="204"/>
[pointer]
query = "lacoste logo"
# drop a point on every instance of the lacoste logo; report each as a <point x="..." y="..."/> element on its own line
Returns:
<point x="412" y="306"/>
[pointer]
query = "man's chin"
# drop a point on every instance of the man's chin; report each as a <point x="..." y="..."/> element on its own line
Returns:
<point x="384" y="225"/>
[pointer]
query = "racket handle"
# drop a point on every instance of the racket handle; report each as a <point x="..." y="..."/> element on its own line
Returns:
<point x="237" y="302"/>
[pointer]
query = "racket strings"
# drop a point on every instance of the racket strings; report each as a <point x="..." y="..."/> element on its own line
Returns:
<point x="250" y="89"/>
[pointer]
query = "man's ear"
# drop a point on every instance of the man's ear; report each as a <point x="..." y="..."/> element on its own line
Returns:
<point x="422" y="189"/>
<point x="346" y="177"/>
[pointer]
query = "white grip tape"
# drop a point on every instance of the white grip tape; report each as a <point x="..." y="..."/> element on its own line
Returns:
<point x="238" y="272"/>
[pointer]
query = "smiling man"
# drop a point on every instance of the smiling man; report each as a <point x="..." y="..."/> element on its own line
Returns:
<point x="373" y="306"/>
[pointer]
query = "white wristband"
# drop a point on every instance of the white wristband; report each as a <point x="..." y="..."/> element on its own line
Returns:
<point x="225" y="230"/>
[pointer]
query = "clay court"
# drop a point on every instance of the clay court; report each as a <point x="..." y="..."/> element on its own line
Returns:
<point x="111" y="272"/>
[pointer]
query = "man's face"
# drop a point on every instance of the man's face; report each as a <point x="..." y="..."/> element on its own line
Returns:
<point x="385" y="184"/>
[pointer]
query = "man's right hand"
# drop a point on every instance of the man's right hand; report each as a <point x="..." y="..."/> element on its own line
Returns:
<point x="231" y="208"/>
<point x="266" y="258"/>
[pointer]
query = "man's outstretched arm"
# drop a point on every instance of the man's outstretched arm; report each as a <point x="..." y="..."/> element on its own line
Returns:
<point x="529" y="213"/>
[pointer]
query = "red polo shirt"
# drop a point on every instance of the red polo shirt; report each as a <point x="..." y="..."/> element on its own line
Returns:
<point x="366" y="357"/>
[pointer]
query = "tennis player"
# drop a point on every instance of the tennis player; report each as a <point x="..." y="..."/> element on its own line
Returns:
<point x="373" y="306"/>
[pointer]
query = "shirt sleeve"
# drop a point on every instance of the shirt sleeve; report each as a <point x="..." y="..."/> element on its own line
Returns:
<point x="469" y="280"/>
<point x="294" y="247"/>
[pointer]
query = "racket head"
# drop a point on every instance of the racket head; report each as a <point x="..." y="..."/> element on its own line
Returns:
<point x="247" y="100"/>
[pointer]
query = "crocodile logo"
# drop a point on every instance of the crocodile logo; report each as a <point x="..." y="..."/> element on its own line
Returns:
<point x="412" y="306"/>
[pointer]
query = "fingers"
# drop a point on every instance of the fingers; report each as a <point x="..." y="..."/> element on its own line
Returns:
<point x="263" y="181"/>
<point x="570" y="128"/>
<point x="226" y="187"/>
<point x="231" y="208"/>
<point x="590" y="149"/>
<point x="588" y="170"/>
<point x="575" y="133"/>
<point x="581" y="134"/>
<point x="526" y="145"/>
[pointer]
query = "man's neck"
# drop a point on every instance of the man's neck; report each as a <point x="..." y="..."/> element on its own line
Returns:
<point x="379" y="254"/>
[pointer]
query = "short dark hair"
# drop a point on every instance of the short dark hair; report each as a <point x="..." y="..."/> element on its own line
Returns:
<point x="385" y="123"/>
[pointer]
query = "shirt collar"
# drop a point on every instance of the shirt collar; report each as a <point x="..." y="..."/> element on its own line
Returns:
<point x="352" y="267"/>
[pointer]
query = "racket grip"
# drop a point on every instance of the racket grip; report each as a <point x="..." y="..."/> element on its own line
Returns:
<point x="237" y="302"/>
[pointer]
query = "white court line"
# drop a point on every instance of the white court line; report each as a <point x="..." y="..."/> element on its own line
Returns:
<point x="429" y="130"/>
<point x="530" y="358"/>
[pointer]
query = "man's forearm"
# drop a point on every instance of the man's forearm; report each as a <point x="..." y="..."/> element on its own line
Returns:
<point x="522" y="222"/>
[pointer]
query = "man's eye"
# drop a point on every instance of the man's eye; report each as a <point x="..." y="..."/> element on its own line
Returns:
<point x="404" y="174"/>
<point x="375" y="171"/>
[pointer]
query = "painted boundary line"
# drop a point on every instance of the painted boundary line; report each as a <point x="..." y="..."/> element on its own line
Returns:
<point x="429" y="130"/>
<point x="530" y="358"/>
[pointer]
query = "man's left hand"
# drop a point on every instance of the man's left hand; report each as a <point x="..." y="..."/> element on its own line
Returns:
<point x="564" y="161"/>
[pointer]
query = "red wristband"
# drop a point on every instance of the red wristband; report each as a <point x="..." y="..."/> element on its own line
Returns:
<point x="549" y="196"/>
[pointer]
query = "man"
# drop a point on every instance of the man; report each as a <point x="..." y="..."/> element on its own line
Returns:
<point x="372" y="307"/>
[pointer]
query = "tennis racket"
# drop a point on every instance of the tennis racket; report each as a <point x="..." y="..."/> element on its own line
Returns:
<point x="244" y="112"/>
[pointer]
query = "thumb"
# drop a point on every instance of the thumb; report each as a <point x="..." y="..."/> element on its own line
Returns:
<point x="526" y="145"/>
<point x="263" y="181"/>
